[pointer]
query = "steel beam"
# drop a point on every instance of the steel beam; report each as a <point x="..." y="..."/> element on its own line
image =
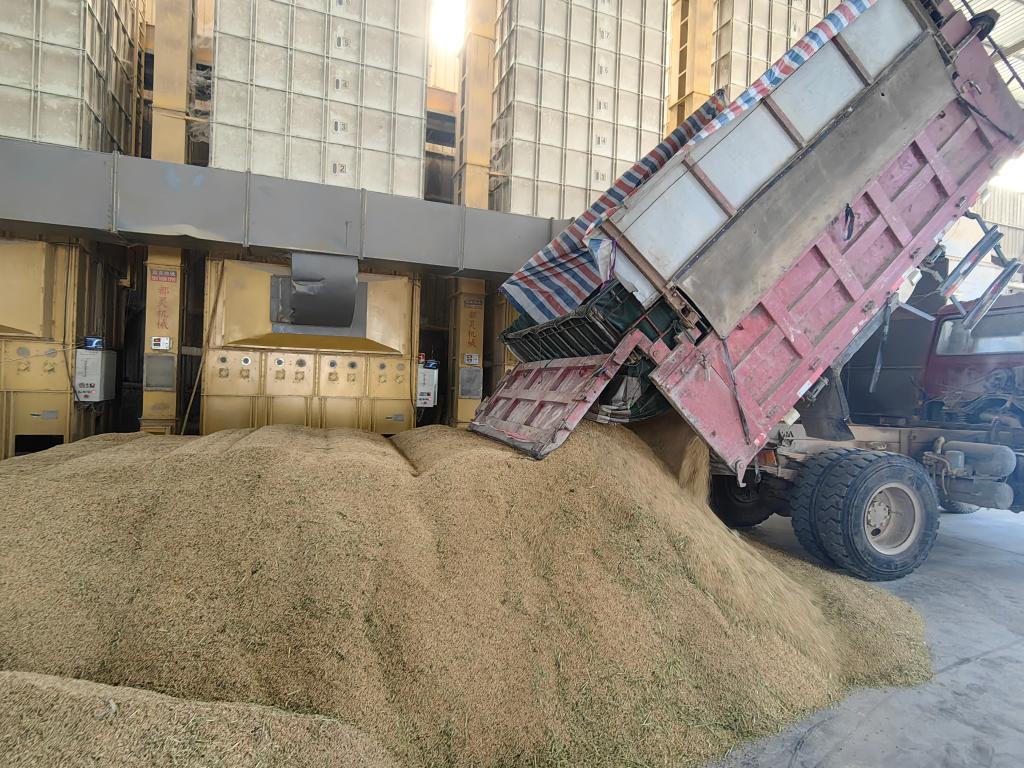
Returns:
<point x="52" y="190"/>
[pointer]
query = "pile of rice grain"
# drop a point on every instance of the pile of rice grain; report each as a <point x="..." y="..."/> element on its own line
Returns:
<point x="54" y="721"/>
<point x="452" y="600"/>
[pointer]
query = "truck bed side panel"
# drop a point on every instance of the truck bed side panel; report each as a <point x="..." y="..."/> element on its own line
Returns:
<point x="733" y="390"/>
<point x="727" y="279"/>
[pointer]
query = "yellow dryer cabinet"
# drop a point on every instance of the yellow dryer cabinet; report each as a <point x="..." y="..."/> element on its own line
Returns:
<point x="50" y="295"/>
<point x="255" y="373"/>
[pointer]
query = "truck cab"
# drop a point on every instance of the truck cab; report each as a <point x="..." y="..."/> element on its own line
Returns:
<point x="976" y="376"/>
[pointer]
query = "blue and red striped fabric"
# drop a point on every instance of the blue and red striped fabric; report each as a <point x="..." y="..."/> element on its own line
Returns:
<point x="565" y="273"/>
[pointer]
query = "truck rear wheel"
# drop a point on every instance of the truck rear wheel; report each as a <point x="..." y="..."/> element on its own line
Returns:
<point x="805" y="500"/>
<point x="877" y="514"/>
<point x="741" y="507"/>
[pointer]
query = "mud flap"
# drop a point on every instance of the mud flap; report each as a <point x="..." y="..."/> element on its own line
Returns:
<point x="826" y="415"/>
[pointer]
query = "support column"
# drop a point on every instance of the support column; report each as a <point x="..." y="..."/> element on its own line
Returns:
<point x="164" y="271"/>
<point x="466" y="342"/>
<point x="172" y="61"/>
<point x="473" y="123"/>
<point x="163" y="334"/>
<point x="691" y="58"/>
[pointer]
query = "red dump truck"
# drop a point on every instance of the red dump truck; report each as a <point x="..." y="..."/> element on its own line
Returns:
<point x="734" y="269"/>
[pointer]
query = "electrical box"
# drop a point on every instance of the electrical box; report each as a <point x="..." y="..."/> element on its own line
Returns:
<point x="95" y="370"/>
<point x="426" y="387"/>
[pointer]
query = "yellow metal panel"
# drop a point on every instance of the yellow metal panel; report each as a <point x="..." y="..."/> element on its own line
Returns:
<point x="244" y="315"/>
<point x="391" y="416"/>
<point x="156" y="427"/>
<point x="473" y="122"/>
<point x="163" y="294"/>
<point x="465" y="410"/>
<point x="227" y="413"/>
<point x="391" y="377"/>
<point x="26" y="290"/>
<point x="245" y="301"/>
<point x="290" y="373"/>
<point x="288" y="410"/>
<point x="232" y="372"/>
<point x="5" y="422"/>
<point x="442" y="69"/>
<point x="502" y="314"/>
<point x="172" y="52"/>
<point x="39" y="413"/>
<point x="691" y="58"/>
<point x="443" y="100"/>
<point x="467" y="340"/>
<point x="158" y="409"/>
<point x="35" y="365"/>
<point x="389" y="311"/>
<point x="342" y="375"/>
<point x="339" y="412"/>
<point x="164" y="275"/>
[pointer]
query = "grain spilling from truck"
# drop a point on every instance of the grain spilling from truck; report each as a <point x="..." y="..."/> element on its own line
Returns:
<point x="448" y="597"/>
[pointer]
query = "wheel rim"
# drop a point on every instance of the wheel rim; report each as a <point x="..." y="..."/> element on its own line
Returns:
<point x="746" y="495"/>
<point x="892" y="519"/>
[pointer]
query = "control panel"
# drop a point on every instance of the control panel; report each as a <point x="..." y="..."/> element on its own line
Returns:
<point x="95" y="371"/>
<point x="426" y="386"/>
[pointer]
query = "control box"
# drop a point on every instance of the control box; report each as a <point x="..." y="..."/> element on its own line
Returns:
<point x="426" y="387"/>
<point x="95" y="371"/>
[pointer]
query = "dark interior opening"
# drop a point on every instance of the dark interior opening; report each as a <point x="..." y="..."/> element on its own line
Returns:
<point x="34" y="443"/>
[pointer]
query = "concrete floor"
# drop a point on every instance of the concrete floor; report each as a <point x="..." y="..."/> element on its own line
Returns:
<point x="971" y="594"/>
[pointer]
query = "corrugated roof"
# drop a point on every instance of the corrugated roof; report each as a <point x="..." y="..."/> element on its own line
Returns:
<point x="1008" y="34"/>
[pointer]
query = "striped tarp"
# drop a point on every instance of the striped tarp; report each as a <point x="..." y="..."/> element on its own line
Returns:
<point x="565" y="273"/>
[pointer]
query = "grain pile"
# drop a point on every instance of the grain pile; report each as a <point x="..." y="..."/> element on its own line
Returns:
<point x="54" y="721"/>
<point x="441" y="594"/>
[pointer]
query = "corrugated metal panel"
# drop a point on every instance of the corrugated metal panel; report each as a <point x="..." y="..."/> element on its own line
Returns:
<point x="68" y="72"/>
<point x="1003" y="206"/>
<point x="1010" y="29"/>
<point x="442" y="69"/>
<point x="579" y="95"/>
<point x="1008" y="34"/>
<point x="336" y="98"/>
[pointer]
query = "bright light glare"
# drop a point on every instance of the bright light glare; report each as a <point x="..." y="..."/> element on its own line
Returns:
<point x="1011" y="175"/>
<point x="448" y="24"/>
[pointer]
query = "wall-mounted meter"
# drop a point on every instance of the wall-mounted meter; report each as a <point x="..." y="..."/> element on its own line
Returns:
<point x="94" y="375"/>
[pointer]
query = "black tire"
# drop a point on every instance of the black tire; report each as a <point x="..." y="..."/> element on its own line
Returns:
<point x="776" y="494"/>
<point x="910" y="508"/>
<point x="959" y="508"/>
<point x="805" y="500"/>
<point x="739" y="507"/>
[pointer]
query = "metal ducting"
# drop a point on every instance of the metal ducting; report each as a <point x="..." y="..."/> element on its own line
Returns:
<point x="62" y="191"/>
<point x="322" y="291"/>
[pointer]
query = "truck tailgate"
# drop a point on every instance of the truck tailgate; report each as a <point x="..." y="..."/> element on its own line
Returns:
<point x="538" y="404"/>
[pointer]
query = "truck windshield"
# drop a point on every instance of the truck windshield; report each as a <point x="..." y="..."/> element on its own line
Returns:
<point x="995" y="334"/>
